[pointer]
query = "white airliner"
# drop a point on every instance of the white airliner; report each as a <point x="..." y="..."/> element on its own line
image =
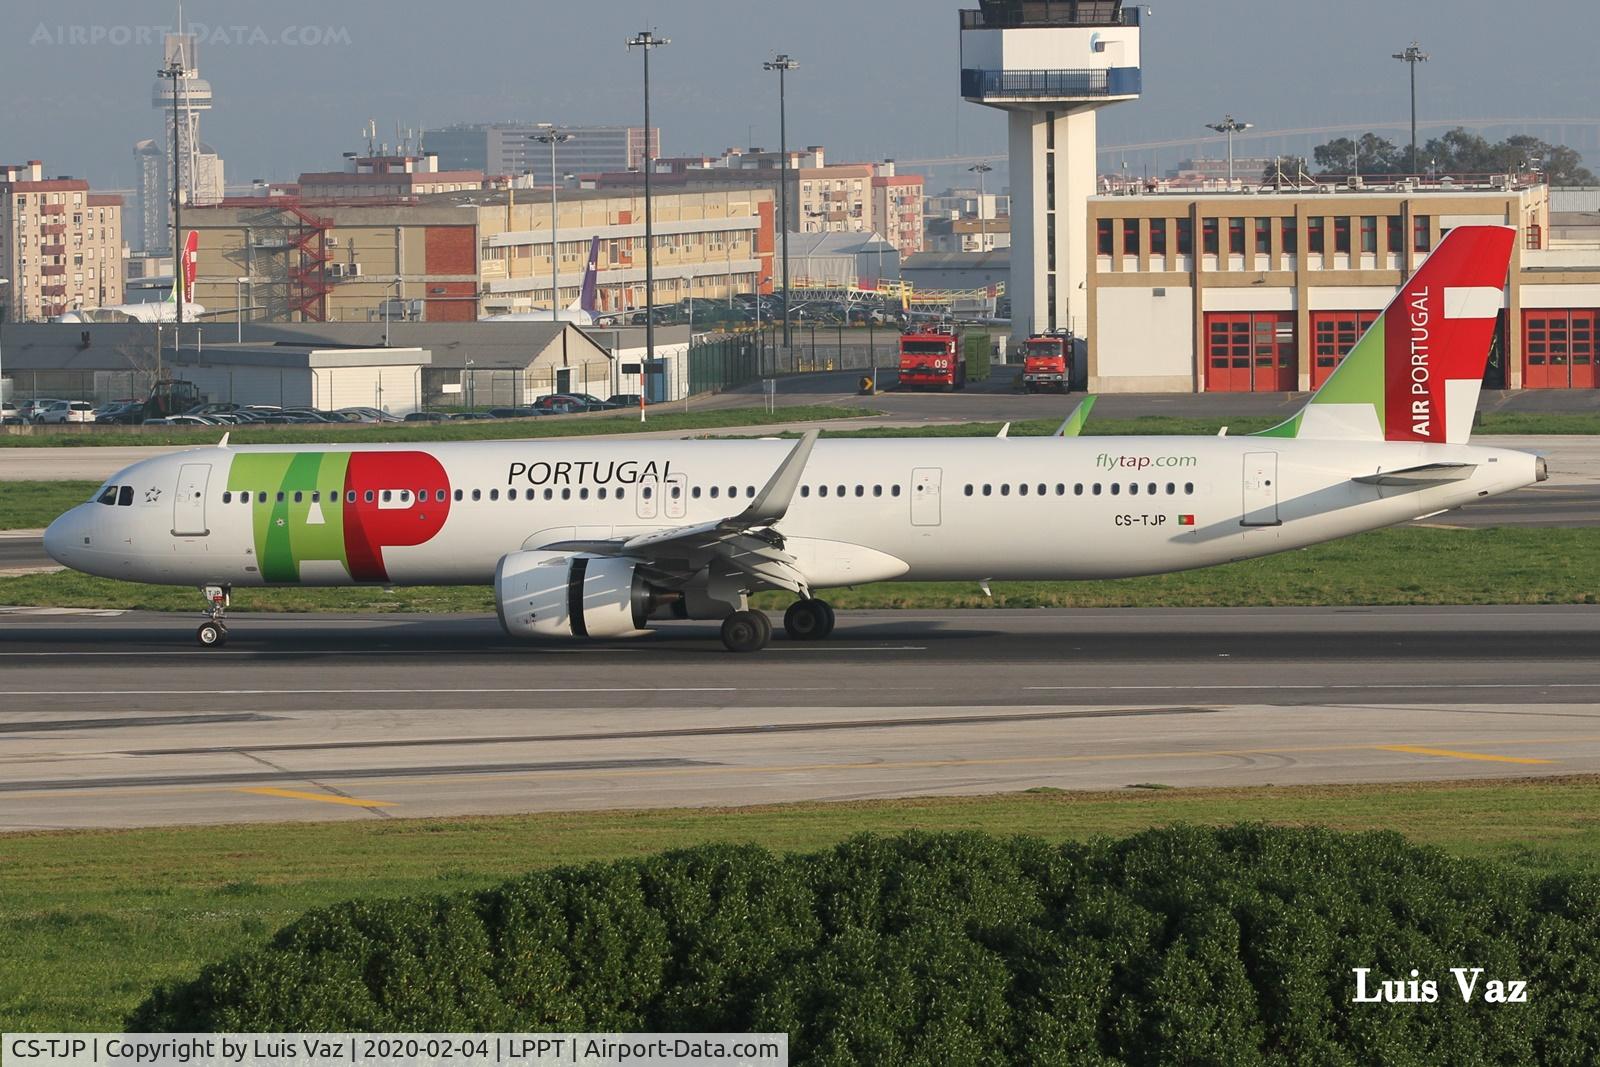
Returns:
<point x="593" y="539"/>
<point x="154" y="310"/>
<point x="582" y="311"/>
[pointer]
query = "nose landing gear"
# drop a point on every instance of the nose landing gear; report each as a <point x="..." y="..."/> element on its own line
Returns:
<point x="809" y="620"/>
<point x="213" y="633"/>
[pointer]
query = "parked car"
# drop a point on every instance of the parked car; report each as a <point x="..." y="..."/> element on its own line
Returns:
<point x="557" y="404"/>
<point x="181" y="420"/>
<point x="65" y="411"/>
<point x="31" y="409"/>
<point x="426" y="416"/>
<point x="468" y="416"/>
<point x="625" y="400"/>
<point x="361" y="414"/>
<point x="513" y="413"/>
<point x="120" y="413"/>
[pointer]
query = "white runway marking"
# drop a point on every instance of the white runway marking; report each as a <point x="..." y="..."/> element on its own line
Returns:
<point x="212" y="653"/>
<point x="98" y="613"/>
<point x="355" y="692"/>
<point x="1313" y="685"/>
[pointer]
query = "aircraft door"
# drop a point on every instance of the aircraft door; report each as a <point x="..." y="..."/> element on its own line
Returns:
<point x="925" y="496"/>
<point x="189" y="504"/>
<point x="647" y="497"/>
<point x="1260" y="489"/>
<point x="676" y="504"/>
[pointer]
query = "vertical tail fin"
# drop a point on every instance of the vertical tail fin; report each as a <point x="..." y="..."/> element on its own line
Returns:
<point x="586" y="300"/>
<point x="183" y="273"/>
<point x="1415" y="374"/>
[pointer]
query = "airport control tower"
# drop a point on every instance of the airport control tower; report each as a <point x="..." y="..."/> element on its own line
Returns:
<point x="1050" y="65"/>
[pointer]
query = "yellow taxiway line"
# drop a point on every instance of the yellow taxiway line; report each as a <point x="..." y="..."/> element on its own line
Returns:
<point x="1453" y="754"/>
<point x="295" y="794"/>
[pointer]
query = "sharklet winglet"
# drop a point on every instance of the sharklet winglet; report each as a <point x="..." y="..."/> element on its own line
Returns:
<point x="1072" y="425"/>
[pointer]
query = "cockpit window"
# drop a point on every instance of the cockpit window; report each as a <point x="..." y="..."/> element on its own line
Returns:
<point x="108" y="495"/>
<point x="125" y="496"/>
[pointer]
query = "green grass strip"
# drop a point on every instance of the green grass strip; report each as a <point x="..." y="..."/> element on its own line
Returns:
<point x="91" y="921"/>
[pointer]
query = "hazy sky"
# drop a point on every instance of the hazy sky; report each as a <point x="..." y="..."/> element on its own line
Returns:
<point x="295" y="80"/>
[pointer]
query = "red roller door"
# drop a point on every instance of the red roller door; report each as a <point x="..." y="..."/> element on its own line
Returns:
<point x="1559" y="348"/>
<point x="1333" y="335"/>
<point x="1250" y="351"/>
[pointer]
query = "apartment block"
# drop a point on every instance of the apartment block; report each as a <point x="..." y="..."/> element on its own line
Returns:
<point x="60" y="244"/>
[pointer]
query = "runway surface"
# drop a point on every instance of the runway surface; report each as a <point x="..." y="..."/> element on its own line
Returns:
<point x="112" y="719"/>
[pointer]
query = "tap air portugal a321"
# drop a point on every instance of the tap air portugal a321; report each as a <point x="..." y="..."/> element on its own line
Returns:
<point x="154" y="311"/>
<point x="594" y="539"/>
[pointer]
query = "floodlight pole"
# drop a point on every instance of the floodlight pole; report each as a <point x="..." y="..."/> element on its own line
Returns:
<point x="553" y="137"/>
<point x="645" y="40"/>
<point x="1230" y="126"/>
<point x="782" y="63"/>
<point x="1411" y="57"/>
<point x="173" y="71"/>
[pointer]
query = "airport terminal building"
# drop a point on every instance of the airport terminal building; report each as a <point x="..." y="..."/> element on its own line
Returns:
<point x="1267" y="289"/>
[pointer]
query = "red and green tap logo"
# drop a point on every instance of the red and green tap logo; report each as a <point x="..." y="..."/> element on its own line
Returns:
<point x="341" y="507"/>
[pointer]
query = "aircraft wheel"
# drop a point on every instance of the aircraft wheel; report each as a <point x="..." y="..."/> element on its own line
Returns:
<point x="211" y="635"/>
<point x="746" y="631"/>
<point x="808" y="620"/>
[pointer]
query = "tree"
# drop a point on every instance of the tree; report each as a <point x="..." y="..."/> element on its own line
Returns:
<point x="1285" y="170"/>
<point x="1455" y="152"/>
<point x="1368" y="154"/>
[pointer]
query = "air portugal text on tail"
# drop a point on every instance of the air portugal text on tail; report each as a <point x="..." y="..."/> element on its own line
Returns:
<point x="1416" y="373"/>
<point x="587" y="539"/>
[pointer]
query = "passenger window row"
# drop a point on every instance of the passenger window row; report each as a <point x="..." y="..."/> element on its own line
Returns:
<point x="420" y="496"/>
<point x="844" y="490"/>
<point x="1094" y="489"/>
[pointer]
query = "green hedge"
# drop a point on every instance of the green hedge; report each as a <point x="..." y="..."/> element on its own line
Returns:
<point x="1181" y="946"/>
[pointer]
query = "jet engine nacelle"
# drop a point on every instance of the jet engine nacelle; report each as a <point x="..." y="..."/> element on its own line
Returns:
<point x="558" y="594"/>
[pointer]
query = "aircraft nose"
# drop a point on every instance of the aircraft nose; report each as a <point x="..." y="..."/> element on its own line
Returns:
<point x="60" y="537"/>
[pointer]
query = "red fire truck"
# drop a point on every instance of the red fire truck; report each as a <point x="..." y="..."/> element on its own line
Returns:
<point x="931" y="358"/>
<point x="1047" y="363"/>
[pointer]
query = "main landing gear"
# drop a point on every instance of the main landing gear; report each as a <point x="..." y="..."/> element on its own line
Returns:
<point x="750" y="631"/>
<point x="746" y="631"/>
<point x="213" y="633"/>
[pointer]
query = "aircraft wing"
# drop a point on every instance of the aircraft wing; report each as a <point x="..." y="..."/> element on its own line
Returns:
<point x="1421" y="477"/>
<point x="746" y="541"/>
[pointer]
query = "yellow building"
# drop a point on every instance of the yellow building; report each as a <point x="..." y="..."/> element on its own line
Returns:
<point x="457" y="257"/>
<point x="1268" y="290"/>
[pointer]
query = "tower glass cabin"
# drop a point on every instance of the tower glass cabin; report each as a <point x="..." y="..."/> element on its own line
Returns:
<point x="1050" y="65"/>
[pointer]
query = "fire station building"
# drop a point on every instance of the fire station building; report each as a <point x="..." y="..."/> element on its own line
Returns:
<point x="1267" y="290"/>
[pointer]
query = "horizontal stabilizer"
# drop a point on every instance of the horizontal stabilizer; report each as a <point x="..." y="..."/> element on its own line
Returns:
<point x="1422" y="477"/>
